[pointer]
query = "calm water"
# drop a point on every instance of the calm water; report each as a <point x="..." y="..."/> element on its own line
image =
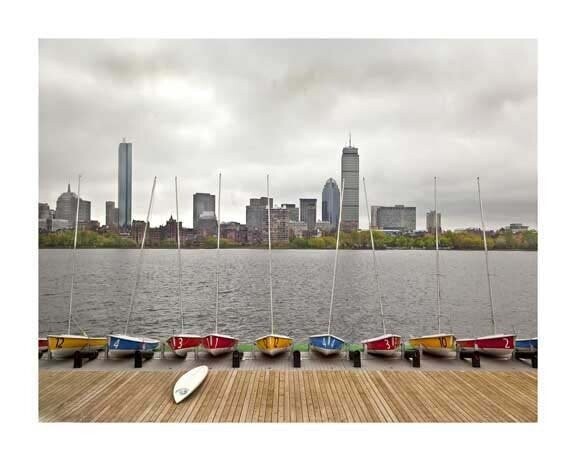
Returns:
<point x="302" y="281"/>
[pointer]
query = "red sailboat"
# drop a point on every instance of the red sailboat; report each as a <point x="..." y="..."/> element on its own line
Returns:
<point x="217" y="343"/>
<point x="496" y="345"/>
<point x="181" y="343"/>
<point x="386" y="344"/>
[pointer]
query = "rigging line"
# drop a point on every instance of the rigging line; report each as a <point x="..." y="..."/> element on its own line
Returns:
<point x="336" y="258"/>
<point x="140" y="259"/>
<point x="74" y="256"/>
<point x="437" y="255"/>
<point x="270" y="253"/>
<point x="179" y="258"/>
<point x="486" y="257"/>
<point x="374" y="259"/>
<point x="218" y="252"/>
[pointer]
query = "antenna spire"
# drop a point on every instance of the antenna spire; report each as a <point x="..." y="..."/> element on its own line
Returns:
<point x="349" y="139"/>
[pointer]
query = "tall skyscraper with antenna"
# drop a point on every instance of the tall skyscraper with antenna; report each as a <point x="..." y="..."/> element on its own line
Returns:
<point x="351" y="180"/>
<point x="125" y="184"/>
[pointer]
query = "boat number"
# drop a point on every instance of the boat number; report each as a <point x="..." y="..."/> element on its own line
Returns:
<point x="59" y="343"/>
<point x="116" y="343"/>
<point x="179" y="339"/>
<point x="275" y="342"/>
<point x="387" y="344"/>
<point x="506" y="346"/>
<point x="443" y="341"/>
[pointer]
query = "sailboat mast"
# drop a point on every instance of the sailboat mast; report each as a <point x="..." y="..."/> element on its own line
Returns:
<point x="139" y="267"/>
<point x="74" y="255"/>
<point x="437" y="255"/>
<point x="336" y="258"/>
<point x="486" y="257"/>
<point x="179" y="258"/>
<point x="270" y="253"/>
<point x="374" y="258"/>
<point x="218" y="252"/>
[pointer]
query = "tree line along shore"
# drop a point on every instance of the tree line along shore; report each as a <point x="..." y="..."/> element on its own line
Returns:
<point x="471" y="240"/>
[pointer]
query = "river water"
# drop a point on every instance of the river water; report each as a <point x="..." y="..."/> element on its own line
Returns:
<point x="301" y="282"/>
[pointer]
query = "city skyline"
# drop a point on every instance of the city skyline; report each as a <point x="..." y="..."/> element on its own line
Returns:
<point x="416" y="109"/>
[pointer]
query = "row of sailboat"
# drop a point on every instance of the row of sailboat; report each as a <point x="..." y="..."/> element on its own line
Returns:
<point x="439" y="344"/>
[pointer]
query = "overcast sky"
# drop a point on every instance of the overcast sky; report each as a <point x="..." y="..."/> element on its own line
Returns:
<point x="455" y="109"/>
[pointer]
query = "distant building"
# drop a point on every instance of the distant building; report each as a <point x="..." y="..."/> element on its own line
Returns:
<point x="207" y="224"/>
<point x="43" y="211"/>
<point x="516" y="227"/>
<point x="350" y="179"/>
<point x="297" y="229"/>
<point x="431" y="225"/>
<point x="324" y="227"/>
<point x="256" y="213"/>
<point x="124" y="184"/>
<point x="308" y="213"/>
<point x="169" y="231"/>
<point x="279" y="220"/>
<point x="66" y="208"/>
<point x="233" y="231"/>
<point x="395" y="218"/>
<point x="293" y="211"/>
<point x="202" y="202"/>
<point x="111" y="216"/>
<point x="52" y="224"/>
<point x="331" y="202"/>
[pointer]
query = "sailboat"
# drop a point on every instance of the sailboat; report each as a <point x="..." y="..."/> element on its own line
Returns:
<point x="61" y="346"/>
<point x="272" y="344"/>
<point x="328" y="344"/>
<point x="439" y="344"/>
<point x="124" y="344"/>
<point x="527" y="345"/>
<point x="181" y="343"/>
<point x="496" y="345"/>
<point x="385" y="344"/>
<point x="217" y="343"/>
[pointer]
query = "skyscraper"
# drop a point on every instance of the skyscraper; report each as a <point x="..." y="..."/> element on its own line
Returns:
<point x="125" y="184"/>
<point x="308" y="213"/>
<point x="398" y="218"/>
<point x="431" y="224"/>
<point x="331" y="202"/>
<point x="202" y="202"/>
<point x="66" y="208"/>
<point x="350" y="179"/>
<point x="111" y="215"/>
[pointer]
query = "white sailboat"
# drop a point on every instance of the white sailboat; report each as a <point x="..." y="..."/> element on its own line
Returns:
<point x="216" y="343"/>
<point x="439" y="344"/>
<point x="272" y="344"/>
<point x="385" y="344"/>
<point x="65" y="345"/>
<point x="495" y="345"/>
<point x="181" y="343"/>
<point x="125" y="344"/>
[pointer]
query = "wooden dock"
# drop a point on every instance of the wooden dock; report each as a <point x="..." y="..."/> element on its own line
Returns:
<point x="246" y="396"/>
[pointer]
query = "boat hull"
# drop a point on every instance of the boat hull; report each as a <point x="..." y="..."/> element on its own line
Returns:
<point x="326" y="344"/>
<point x="386" y="345"/>
<point x="273" y="345"/>
<point x="42" y="344"/>
<point x="123" y="345"/>
<point x="441" y="345"/>
<point x="500" y="346"/>
<point x="217" y="344"/>
<point x="527" y="345"/>
<point x="183" y="343"/>
<point x="63" y="346"/>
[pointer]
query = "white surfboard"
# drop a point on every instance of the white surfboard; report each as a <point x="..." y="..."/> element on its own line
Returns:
<point x="188" y="382"/>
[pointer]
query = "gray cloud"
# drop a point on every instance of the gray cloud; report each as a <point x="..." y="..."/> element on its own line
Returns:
<point x="455" y="109"/>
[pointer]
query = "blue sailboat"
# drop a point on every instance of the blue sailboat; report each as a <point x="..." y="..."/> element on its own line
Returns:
<point x="328" y="344"/>
<point x="527" y="344"/>
<point x="124" y="344"/>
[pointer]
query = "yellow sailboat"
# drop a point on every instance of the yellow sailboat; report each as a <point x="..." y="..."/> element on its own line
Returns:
<point x="272" y="344"/>
<point x="61" y="346"/>
<point x="440" y="344"/>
